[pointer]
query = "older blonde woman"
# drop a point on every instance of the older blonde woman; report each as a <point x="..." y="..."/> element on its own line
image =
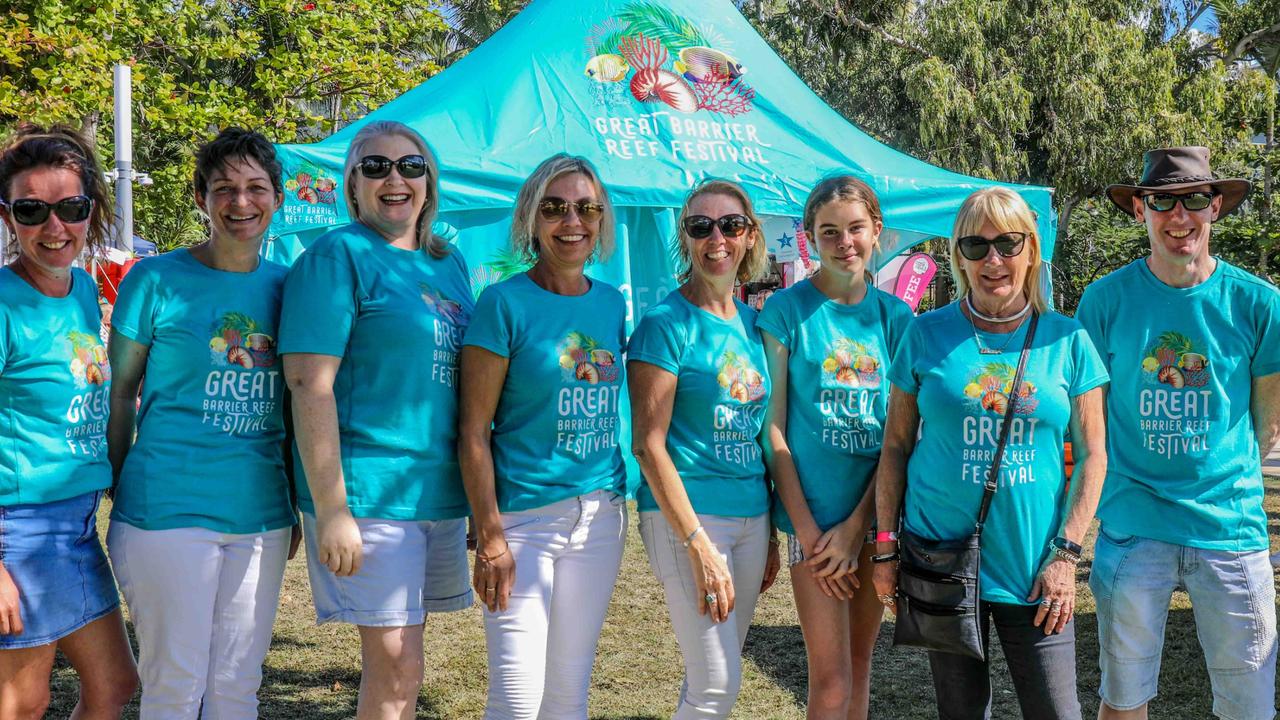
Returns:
<point x="372" y="320"/>
<point x="538" y="441"/>
<point x="699" y="388"/>
<point x="951" y="377"/>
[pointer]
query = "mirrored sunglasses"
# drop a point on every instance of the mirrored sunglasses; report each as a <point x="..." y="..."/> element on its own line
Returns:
<point x="553" y="209"/>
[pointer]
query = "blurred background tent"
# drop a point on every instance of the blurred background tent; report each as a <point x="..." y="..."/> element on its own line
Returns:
<point x="659" y="94"/>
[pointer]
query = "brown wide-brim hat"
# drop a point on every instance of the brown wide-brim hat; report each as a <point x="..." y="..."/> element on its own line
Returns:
<point x="1179" y="168"/>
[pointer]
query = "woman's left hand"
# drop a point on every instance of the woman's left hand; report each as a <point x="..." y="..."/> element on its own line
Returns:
<point x="836" y="553"/>
<point x="1055" y="587"/>
<point x="772" y="564"/>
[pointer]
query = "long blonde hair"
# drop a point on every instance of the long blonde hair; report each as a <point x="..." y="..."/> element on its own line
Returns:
<point x="427" y="240"/>
<point x="1007" y="212"/>
<point x="753" y="265"/>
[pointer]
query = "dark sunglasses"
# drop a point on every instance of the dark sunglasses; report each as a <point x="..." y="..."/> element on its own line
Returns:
<point x="976" y="247"/>
<point x="553" y="208"/>
<point x="376" y="167"/>
<point x="29" y="211"/>
<point x="1164" y="202"/>
<point x="699" y="227"/>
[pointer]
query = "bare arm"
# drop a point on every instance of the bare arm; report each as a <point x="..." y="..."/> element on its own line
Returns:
<point x="483" y="375"/>
<point x="777" y="453"/>
<point x="128" y="365"/>
<point x="315" y="424"/>
<point x="900" y="428"/>
<point x="653" y="394"/>
<point x="1265" y="408"/>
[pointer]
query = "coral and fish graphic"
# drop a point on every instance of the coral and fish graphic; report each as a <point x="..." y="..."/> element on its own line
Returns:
<point x="1175" y="360"/>
<point x="851" y="364"/>
<point x="741" y="382"/>
<point x="239" y="340"/>
<point x="583" y="360"/>
<point x="443" y="306"/>
<point x="989" y="388"/>
<point x="88" y="359"/>
<point x="671" y="61"/>
<point x="313" y="184"/>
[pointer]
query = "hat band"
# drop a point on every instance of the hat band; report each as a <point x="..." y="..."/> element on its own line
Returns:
<point x="1187" y="180"/>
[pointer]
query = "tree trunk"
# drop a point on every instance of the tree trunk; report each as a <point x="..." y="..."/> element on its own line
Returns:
<point x="1061" y="257"/>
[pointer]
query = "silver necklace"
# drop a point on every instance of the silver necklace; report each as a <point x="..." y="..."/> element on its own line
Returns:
<point x="987" y="318"/>
<point x="982" y="349"/>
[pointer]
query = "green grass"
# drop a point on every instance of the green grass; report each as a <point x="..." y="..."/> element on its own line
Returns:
<point x="313" y="672"/>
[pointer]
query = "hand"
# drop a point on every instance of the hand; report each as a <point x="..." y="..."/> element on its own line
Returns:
<point x="772" y="564"/>
<point x="712" y="577"/>
<point x="836" y="553"/>
<point x="1055" y="586"/>
<point x="494" y="573"/>
<point x="295" y="540"/>
<point x="10" y="616"/>
<point x="338" y="539"/>
<point x="885" y="577"/>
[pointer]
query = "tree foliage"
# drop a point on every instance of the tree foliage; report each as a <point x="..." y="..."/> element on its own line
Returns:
<point x="293" y="69"/>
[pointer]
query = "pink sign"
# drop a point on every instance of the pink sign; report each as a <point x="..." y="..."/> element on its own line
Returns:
<point x="914" y="277"/>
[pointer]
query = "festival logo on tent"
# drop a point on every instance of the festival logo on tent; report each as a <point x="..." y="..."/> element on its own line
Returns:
<point x="676" y="70"/>
<point x="311" y="195"/>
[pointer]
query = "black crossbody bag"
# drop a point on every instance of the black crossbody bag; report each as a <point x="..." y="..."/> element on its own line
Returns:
<point x="938" y="580"/>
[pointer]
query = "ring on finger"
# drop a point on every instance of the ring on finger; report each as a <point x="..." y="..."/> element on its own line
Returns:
<point x="710" y="598"/>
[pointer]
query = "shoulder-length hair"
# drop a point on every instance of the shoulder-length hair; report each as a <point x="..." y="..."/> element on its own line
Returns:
<point x="1007" y="212"/>
<point x="33" y="146"/>
<point x="757" y="257"/>
<point x="524" y="222"/>
<point x="429" y="241"/>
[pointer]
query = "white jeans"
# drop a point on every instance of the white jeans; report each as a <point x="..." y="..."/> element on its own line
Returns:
<point x="542" y="647"/>
<point x="712" y="651"/>
<point x="202" y="605"/>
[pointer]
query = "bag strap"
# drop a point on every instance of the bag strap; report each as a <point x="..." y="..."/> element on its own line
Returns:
<point x="993" y="475"/>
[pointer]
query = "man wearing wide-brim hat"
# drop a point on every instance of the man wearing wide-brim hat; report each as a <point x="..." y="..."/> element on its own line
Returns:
<point x="1192" y="344"/>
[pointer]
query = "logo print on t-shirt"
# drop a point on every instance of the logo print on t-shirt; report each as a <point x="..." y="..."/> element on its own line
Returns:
<point x="450" y="321"/>
<point x="740" y="382"/>
<point x="852" y="364"/>
<point x="443" y="306"/>
<point x="989" y="388"/>
<point x="88" y="359"/>
<point x="1176" y="361"/>
<point x="238" y="340"/>
<point x="583" y="360"/>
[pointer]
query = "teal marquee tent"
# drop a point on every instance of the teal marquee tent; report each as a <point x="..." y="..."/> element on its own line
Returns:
<point x="659" y="94"/>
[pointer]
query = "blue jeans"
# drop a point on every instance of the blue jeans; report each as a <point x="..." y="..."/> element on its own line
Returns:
<point x="1232" y="596"/>
<point x="1043" y="668"/>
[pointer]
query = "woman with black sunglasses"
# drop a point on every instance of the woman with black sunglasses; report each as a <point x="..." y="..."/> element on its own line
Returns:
<point x="203" y="520"/>
<point x="374" y="314"/>
<point x="538" y="441"/>
<point x="56" y="589"/>
<point x="955" y="381"/>
<point x="699" y="389"/>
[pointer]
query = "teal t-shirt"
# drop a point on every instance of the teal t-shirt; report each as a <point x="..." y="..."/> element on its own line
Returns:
<point x="209" y="449"/>
<point x="963" y="396"/>
<point x="1183" y="461"/>
<point x="837" y="391"/>
<point x="54" y="386"/>
<point x="722" y="388"/>
<point x="555" y="433"/>
<point x="396" y="318"/>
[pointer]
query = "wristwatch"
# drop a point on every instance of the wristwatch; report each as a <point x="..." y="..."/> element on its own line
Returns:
<point x="1064" y="549"/>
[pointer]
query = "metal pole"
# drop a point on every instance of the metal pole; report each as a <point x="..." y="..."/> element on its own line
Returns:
<point x="124" y="156"/>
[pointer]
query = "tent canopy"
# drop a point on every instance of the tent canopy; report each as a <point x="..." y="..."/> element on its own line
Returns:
<point x="658" y="94"/>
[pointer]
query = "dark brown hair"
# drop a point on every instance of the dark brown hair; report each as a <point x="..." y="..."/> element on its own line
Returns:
<point x="33" y="147"/>
<point x="233" y="144"/>
<point x="839" y="188"/>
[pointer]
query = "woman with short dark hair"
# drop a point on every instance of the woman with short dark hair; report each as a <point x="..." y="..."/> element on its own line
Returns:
<point x="56" y="589"/>
<point x="201" y="524"/>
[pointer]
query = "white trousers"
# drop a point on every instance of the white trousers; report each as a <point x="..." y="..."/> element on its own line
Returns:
<point x="202" y="605"/>
<point x="712" y="651"/>
<point x="542" y="647"/>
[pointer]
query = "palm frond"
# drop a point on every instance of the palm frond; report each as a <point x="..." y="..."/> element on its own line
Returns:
<point x="655" y="21"/>
<point x="1175" y="341"/>
<point x="507" y="263"/>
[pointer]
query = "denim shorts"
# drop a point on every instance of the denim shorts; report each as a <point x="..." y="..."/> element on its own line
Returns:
<point x="410" y="568"/>
<point x="795" y="551"/>
<point x="1233" y="601"/>
<point x="52" y="552"/>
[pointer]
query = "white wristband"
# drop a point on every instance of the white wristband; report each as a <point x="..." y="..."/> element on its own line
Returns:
<point x="689" y="540"/>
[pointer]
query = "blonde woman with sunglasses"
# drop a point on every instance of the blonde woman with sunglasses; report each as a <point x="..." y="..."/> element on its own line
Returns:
<point x="699" y="388"/>
<point x="373" y="317"/>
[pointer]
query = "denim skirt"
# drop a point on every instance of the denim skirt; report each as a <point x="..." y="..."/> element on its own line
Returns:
<point x="53" y="554"/>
